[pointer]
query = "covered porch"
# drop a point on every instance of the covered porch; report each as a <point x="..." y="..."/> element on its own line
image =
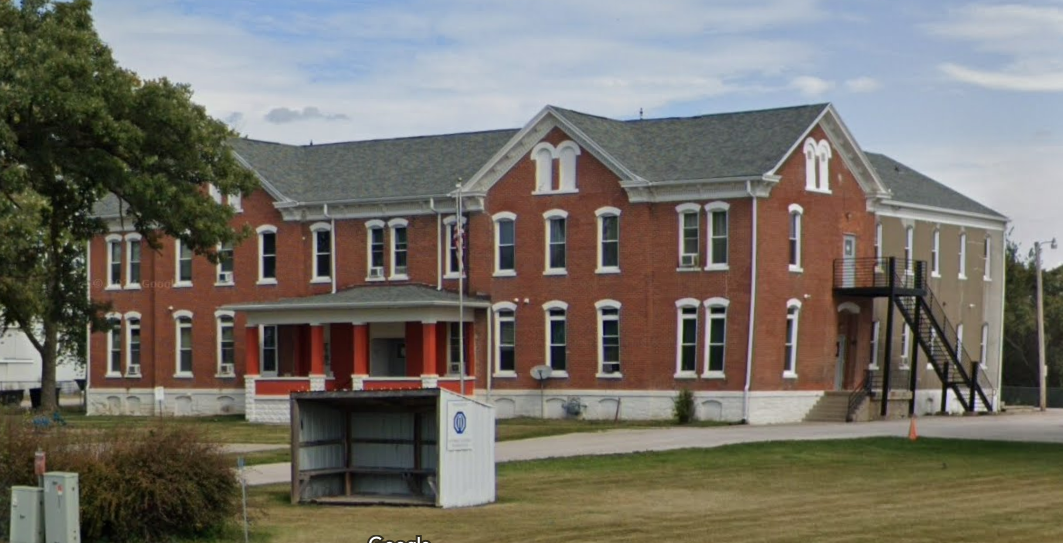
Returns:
<point x="363" y="338"/>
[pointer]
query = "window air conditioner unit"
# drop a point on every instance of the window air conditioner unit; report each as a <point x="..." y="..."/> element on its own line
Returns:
<point x="400" y="270"/>
<point x="133" y="371"/>
<point x="688" y="261"/>
<point x="376" y="272"/>
<point x="225" y="277"/>
<point x="226" y="369"/>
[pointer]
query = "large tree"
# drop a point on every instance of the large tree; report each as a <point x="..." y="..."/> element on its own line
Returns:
<point x="1020" y="320"/>
<point x="76" y="128"/>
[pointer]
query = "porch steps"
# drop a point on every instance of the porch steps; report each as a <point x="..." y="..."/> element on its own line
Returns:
<point x="833" y="406"/>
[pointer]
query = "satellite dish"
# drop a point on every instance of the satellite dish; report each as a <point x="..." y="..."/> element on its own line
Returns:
<point x="541" y="372"/>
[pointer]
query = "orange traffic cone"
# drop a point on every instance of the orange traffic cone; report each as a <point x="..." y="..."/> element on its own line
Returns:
<point x="912" y="435"/>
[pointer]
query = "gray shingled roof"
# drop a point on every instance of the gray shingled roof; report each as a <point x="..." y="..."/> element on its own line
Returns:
<point x="748" y="143"/>
<point x="910" y="186"/>
<point x="367" y="297"/>
<point x="362" y="170"/>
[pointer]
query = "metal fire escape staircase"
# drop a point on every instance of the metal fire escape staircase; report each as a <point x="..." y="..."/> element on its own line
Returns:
<point x="904" y="285"/>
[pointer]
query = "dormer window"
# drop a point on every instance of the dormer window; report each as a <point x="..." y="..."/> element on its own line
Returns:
<point x="545" y="155"/>
<point x="817" y="165"/>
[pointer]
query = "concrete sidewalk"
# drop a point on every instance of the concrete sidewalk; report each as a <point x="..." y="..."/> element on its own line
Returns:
<point x="1035" y="426"/>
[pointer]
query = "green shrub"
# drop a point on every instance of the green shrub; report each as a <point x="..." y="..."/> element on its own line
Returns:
<point x="144" y="484"/>
<point x="683" y="408"/>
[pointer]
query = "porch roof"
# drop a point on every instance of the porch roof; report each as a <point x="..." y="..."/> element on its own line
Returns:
<point x="367" y="297"/>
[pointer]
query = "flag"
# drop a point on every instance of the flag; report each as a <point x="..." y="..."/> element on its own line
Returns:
<point x="459" y="245"/>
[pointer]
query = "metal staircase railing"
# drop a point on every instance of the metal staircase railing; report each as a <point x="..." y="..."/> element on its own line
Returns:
<point x="858" y="395"/>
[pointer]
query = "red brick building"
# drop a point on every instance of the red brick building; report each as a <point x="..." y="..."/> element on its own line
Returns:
<point x="634" y="258"/>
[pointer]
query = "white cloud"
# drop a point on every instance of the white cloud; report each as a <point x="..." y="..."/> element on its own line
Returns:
<point x="422" y="67"/>
<point x="811" y="86"/>
<point x="1028" y="37"/>
<point x="283" y="115"/>
<point x="863" y="84"/>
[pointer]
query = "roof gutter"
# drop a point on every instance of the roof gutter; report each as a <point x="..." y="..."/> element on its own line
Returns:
<point x="752" y="307"/>
<point x="253" y="308"/>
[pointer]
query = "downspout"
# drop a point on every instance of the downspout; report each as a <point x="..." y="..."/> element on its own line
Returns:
<point x="752" y="308"/>
<point x="439" y="243"/>
<point x="332" y="245"/>
<point x="490" y="369"/>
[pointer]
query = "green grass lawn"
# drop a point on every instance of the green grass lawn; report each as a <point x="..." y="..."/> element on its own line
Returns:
<point x="872" y="490"/>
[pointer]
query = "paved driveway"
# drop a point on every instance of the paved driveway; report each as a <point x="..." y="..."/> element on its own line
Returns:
<point x="1035" y="426"/>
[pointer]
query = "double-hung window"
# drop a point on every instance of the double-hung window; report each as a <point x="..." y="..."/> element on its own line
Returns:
<point x="114" y="347"/>
<point x="269" y="350"/>
<point x="455" y="340"/>
<point x="608" y="240"/>
<point x="267" y="254"/>
<point x="133" y="343"/>
<point x="963" y="256"/>
<point x="505" y="338"/>
<point x="715" y="337"/>
<point x="608" y="338"/>
<point x="557" y="336"/>
<point x="909" y="244"/>
<point x="226" y="344"/>
<point x="556" y="240"/>
<point x="987" y="262"/>
<point x="399" y="249"/>
<point x="114" y="261"/>
<point x="322" y="246"/>
<point x="184" y="264"/>
<point x="375" y="250"/>
<point x="796" y="214"/>
<point x="132" y="270"/>
<point x="717" y="233"/>
<point x="183" y="346"/>
<point x="505" y="244"/>
<point x="225" y="264"/>
<point x="935" y="254"/>
<point x="686" y="337"/>
<point x="793" y="312"/>
<point x="689" y="235"/>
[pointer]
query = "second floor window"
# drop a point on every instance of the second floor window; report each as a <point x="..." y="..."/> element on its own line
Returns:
<point x="796" y="214"/>
<point x="398" y="254"/>
<point x="184" y="263"/>
<point x="133" y="265"/>
<point x="556" y="238"/>
<point x="267" y="254"/>
<point x="114" y="262"/>
<point x="963" y="256"/>
<point x="455" y="264"/>
<point x="505" y="242"/>
<point x="225" y="263"/>
<point x="322" y="251"/>
<point x="689" y="235"/>
<point x="717" y="236"/>
<point x="608" y="240"/>
<point x="376" y="252"/>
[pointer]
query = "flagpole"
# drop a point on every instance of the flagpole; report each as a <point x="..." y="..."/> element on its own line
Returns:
<point x="460" y="244"/>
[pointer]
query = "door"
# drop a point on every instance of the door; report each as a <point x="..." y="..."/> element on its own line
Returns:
<point x="848" y="261"/>
<point x="839" y="365"/>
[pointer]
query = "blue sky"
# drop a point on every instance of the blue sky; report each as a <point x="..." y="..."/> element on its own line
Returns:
<point x="968" y="92"/>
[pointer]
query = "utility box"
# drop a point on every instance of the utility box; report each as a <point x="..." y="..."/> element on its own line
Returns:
<point x="27" y="524"/>
<point x="61" y="508"/>
<point x="397" y="447"/>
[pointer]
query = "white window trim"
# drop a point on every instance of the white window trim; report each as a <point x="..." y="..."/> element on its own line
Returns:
<point x="790" y="304"/>
<point x="987" y="251"/>
<point x="266" y="229"/>
<point x="795" y="209"/>
<point x="110" y="343"/>
<point x="449" y="223"/>
<point x="496" y="308"/>
<point x="217" y="340"/>
<point x="217" y="270"/>
<point x="823" y="154"/>
<point x="131" y="239"/>
<point x="909" y="249"/>
<point x="906" y="345"/>
<point x="554" y="304"/>
<point x="177" y="315"/>
<point x="369" y="227"/>
<point x="262" y="350"/>
<point x="394" y="224"/>
<point x="709" y="209"/>
<point x="177" y="282"/>
<point x="681" y="304"/>
<point x="681" y="210"/>
<point x="600" y="213"/>
<point x="876" y="334"/>
<point x="598" y="306"/>
<point x="236" y="201"/>
<point x="878" y="246"/>
<point x="540" y="164"/>
<point x="935" y="254"/>
<point x="547" y="217"/>
<point x="129" y="317"/>
<point x="496" y="219"/>
<point x="315" y="276"/>
<point x="709" y="304"/>
<point x="962" y="275"/>
<point x="114" y="239"/>
<point x="811" y="165"/>
<point x="565" y="185"/>
<point x="983" y="349"/>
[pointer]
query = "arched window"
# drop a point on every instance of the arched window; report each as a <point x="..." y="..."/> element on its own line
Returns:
<point x="543" y="154"/>
<point x="399" y="249"/>
<point x="183" y="343"/>
<point x="322" y="264"/>
<point x="823" y="152"/>
<point x="505" y="338"/>
<point x="810" y="164"/>
<point x="715" y="337"/>
<point x="132" y="264"/>
<point x="267" y="254"/>
<point x="505" y="244"/>
<point x="567" y="152"/>
<point x="793" y="313"/>
<point x="132" y="333"/>
<point x="556" y="242"/>
<point x="114" y="345"/>
<point x="557" y="337"/>
<point x="608" y="240"/>
<point x="226" y="344"/>
<point x="608" y="338"/>
<point x="114" y="261"/>
<point x="717" y="232"/>
<point x="686" y="337"/>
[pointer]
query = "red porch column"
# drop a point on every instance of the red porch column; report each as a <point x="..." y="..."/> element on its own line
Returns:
<point x="317" y="350"/>
<point x="360" y="338"/>
<point x="428" y="349"/>
<point x="251" y="361"/>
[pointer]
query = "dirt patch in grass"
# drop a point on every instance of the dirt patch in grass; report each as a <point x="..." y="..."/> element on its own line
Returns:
<point x="866" y="490"/>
